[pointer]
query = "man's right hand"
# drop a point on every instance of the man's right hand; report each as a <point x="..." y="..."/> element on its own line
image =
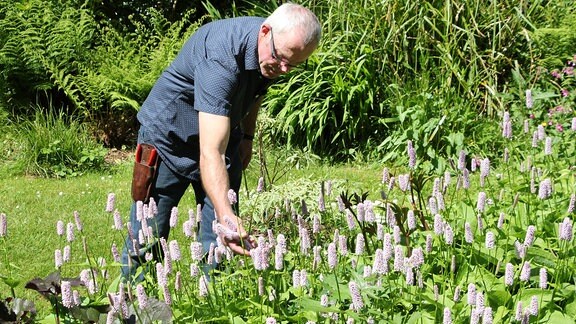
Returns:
<point x="234" y="236"/>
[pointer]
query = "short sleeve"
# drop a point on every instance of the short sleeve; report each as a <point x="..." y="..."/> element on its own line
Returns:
<point x="214" y="86"/>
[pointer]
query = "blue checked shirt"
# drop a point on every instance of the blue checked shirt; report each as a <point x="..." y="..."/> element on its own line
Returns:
<point x="216" y="72"/>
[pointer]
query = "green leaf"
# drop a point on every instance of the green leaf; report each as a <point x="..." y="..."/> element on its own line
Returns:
<point x="558" y="317"/>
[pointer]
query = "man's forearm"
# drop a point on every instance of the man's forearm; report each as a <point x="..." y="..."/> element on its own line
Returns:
<point x="215" y="181"/>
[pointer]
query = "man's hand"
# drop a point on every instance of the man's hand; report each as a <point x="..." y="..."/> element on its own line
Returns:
<point x="234" y="236"/>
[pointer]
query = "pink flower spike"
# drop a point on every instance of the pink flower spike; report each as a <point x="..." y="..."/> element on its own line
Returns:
<point x="110" y="202"/>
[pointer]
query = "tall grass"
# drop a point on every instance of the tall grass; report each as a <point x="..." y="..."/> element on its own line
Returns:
<point x="378" y="56"/>
<point x="56" y="145"/>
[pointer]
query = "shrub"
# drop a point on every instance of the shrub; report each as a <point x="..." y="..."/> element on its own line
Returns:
<point x="54" y="145"/>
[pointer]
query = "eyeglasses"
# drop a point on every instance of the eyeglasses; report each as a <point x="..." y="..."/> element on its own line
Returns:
<point x="275" y="55"/>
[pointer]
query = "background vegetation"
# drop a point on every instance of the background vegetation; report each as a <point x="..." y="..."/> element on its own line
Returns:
<point x="430" y="71"/>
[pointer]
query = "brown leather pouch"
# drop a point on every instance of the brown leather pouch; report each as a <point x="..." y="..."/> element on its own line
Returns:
<point x="145" y="168"/>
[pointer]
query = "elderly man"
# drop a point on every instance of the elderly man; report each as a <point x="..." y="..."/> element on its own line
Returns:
<point x="200" y="118"/>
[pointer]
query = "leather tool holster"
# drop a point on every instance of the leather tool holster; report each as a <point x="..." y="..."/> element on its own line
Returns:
<point x="145" y="171"/>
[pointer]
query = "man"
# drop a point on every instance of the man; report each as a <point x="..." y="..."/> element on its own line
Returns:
<point x="201" y="117"/>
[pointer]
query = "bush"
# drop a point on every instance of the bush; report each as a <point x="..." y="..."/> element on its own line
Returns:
<point x="53" y="145"/>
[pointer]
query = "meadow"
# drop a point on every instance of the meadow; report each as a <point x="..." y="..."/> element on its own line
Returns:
<point x="485" y="240"/>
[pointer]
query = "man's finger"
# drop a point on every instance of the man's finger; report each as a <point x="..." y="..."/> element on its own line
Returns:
<point x="237" y="249"/>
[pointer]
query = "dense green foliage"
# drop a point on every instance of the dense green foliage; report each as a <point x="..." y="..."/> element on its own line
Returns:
<point x="400" y="67"/>
<point x="385" y="72"/>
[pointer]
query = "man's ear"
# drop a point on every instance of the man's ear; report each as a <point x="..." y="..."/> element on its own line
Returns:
<point x="265" y="29"/>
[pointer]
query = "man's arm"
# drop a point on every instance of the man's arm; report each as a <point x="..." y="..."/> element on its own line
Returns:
<point x="214" y="132"/>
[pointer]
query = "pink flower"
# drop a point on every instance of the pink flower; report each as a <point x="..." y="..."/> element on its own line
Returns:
<point x="59" y="227"/>
<point x="462" y="160"/>
<point x="110" y="202"/>
<point x="332" y="256"/>
<point x="490" y="240"/>
<point x="232" y="198"/>
<point x="58" y="261"/>
<point x="529" y="100"/>
<point x="543" y="278"/>
<point x="509" y="274"/>
<point x="173" y="217"/>
<point x="471" y="294"/>
<point x="359" y="244"/>
<point x="385" y="176"/>
<point x="260" y="187"/>
<point x="3" y="225"/>
<point x="202" y="286"/>
<point x="117" y="221"/>
<point x="67" y="298"/>
<point x="571" y="204"/>
<point x="141" y="296"/>
<point x="196" y="251"/>
<point x="115" y="253"/>
<point x="529" y="239"/>
<point x="175" y="250"/>
<point x="468" y="235"/>
<point x="411" y="219"/>
<point x="78" y="221"/>
<point x="379" y="265"/>
<point x="525" y="273"/>
<point x="70" y="232"/>
<point x="480" y="205"/>
<point x="548" y="146"/>
<point x="565" y="229"/>
<point x="545" y="189"/>
<point x="411" y="155"/>
<point x="447" y="319"/>
<point x="357" y="302"/>
<point x="456" y="297"/>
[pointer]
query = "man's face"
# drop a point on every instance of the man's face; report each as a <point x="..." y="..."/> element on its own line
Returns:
<point x="279" y="53"/>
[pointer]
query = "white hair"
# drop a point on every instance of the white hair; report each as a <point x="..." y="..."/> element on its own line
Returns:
<point x="290" y="17"/>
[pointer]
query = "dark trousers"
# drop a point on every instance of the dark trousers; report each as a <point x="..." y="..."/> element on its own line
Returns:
<point x="168" y="190"/>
